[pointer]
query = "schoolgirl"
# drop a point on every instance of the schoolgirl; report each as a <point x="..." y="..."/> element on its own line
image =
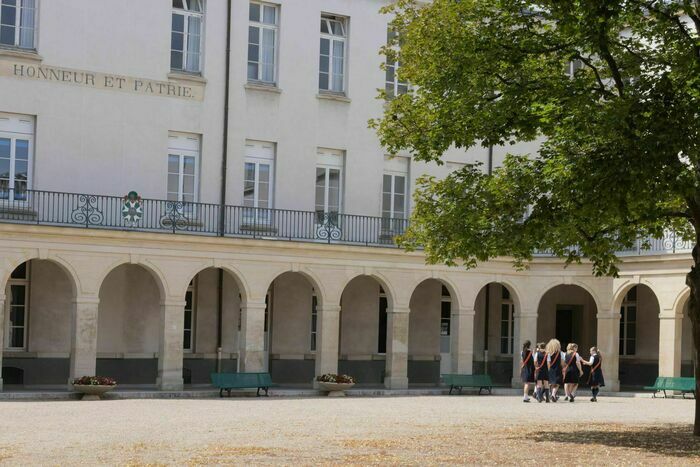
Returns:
<point x="527" y="370"/>
<point x="554" y="365"/>
<point x="571" y="371"/>
<point x="595" y="377"/>
<point x="541" y="373"/>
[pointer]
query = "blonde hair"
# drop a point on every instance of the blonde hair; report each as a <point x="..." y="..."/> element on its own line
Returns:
<point x="571" y="347"/>
<point x="594" y="350"/>
<point x="541" y="346"/>
<point x="553" y="347"/>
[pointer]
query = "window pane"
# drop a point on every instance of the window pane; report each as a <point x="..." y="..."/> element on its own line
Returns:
<point x="504" y="346"/>
<point x="4" y="147"/>
<point x="176" y="60"/>
<point x="178" y="24"/>
<point x="7" y="35"/>
<point x="20" y="272"/>
<point x="22" y="149"/>
<point x="188" y="183"/>
<point x="445" y="310"/>
<point x="505" y="293"/>
<point x="173" y="164"/>
<point x="188" y="319"/>
<point x="173" y="183"/>
<point x="264" y="173"/>
<point x="386" y="185"/>
<point x="189" y="165"/>
<point x="323" y="80"/>
<point x="17" y="337"/>
<point x="178" y="4"/>
<point x="324" y="26"/>
<point x="386" y="203"/>
<point x="631" y="330"/>
<point x="17" y="298"/>
<point x="8" y="15"/>
<point x="390" y="74"/>
<point x="254" y="12"/>
<point x="632" y="313"/>
<point x="325" y="46"/>
<point x="268" y="55"/>
<point x="252" y="70"/>
<point x="400" y="185"/>
<point x="398" y="206"/>
<point x="631" y="347"/>
<point x="193" y="42"/>
<point x="505" y="312"/>
<point x="269" y="15"/>
<point x="253" y="36"/>
<point x="621" y="350"/>
<point x="253" y="52"/>
<point x="4" y="168"/>
<point x="249" y="171"/>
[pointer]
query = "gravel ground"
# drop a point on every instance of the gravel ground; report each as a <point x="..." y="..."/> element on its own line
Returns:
<point x="358" y="431"/>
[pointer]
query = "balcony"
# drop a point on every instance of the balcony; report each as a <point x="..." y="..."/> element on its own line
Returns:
<point x="153" y="215"/>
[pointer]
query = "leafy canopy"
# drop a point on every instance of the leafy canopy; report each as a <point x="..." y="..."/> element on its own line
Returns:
<point x="620" y="154"/>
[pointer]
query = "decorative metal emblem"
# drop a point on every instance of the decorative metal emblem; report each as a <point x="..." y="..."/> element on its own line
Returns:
<point x="87" y="211"/>
<point x="327" y="226"/>
<point x="132" y="209"/>
<point x="175" y="216"/>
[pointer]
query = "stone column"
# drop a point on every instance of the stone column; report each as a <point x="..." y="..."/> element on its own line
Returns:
<point x="670" y="326"/>
<point x="83" y="342"/>
<point x="462" y="340"/>
<point x="396" y="376"/>
<point x="251" y="350"/>
<point x="608" y="342"/>
<point x="327" y="340"/>
<point x="2" y="331"/>
<point x="525" y="322"/>
<point x="172" y="322"/>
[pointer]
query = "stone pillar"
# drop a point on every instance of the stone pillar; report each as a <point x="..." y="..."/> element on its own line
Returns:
<point x="670" y="334"/>
<point x="462" y="340"/>
<point x="608" y="342"/>
<point x="2" y="331"/>
<point x="83" y="342"/>
<point x="525" y="322"/>
<point x="172" y="322"/>
<point x="327" y="340"/>
<point x="396" y="376"/>
<point x="251" y="350"/>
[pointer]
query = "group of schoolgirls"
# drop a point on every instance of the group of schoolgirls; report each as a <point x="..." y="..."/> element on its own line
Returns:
<point x="548" y="368"/>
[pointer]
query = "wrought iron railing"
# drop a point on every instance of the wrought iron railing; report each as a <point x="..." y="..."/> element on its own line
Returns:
<point x="151" y="215"/>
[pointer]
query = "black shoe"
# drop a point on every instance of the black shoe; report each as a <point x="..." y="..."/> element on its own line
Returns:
<point x="526" y="400"/>
<point x="572" y="399"/>
<point x="566" y="398"/>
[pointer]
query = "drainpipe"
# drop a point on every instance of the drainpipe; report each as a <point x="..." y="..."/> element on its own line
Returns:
<point x="222" y="201"/>
<point x="488" y="287"/>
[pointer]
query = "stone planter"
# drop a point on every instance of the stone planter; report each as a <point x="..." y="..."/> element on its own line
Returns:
<point x="92" y="392"/>
<point x="335" y="389"/>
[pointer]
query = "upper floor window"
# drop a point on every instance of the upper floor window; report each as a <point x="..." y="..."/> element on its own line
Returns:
<point x="17" y="23"/>
<point x="262" y="42"/>
<point x="183" y="167"/>
<point x="393" y="86"/>
<point x="186" y="36"/>
<point x="16" y="146"/>
<point x="331" y="75"/>
<point x="258" y="181"/>
<point x="329" y="184"/>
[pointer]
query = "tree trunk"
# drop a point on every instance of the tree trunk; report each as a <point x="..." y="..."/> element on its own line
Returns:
<point x="693" y="281"/>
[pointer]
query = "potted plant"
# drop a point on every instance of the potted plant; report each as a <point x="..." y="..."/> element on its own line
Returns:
<point x="93" y="387"/>
<point x="335" y="385"/>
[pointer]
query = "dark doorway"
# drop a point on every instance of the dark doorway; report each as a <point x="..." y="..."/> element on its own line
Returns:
<point x="565" y="326"/>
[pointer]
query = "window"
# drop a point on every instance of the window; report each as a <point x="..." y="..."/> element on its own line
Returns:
<point x="445" y="320"/>
<point x="16" y="145"/>
<point x="393" y="86"/>
<point x="383" y="304"/>
<point x="183" y="167"/>
<point x="262" y="42"/>
<point x="331" y="75"/>
<point x="186" y="35"/>
<point x="628" y="323"/>
<point x="394" y="187"/>
<point x="573" y="66"/>
<point x="17" y="23"/>
<point x="188" y="338"/>
<point x="329" y="184"/>
<point x="17" y="308"/>
<point x="507" y="327"/>
<point x="314" y="321"/>
<point x="258" y="177"/>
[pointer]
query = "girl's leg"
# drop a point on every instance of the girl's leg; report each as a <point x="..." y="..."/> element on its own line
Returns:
<point x="546" y="391"/>
<point x="526" y="390"/>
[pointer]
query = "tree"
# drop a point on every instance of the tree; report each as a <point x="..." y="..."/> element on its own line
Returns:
<point x="612" y="89"/>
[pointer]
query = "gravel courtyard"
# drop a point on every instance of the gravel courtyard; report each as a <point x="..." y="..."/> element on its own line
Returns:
<point x="358" y="431"/>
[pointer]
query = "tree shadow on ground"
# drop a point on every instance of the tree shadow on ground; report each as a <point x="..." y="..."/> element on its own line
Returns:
<point x="668" y="440"/>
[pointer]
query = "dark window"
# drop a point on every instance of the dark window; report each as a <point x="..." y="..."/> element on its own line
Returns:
<point x="382" y="321"/>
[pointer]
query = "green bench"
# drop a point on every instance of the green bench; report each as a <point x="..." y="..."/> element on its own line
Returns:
<point x="228" y="381"/>
<point x="454" y="381"/>
<point x="682" y="385"/>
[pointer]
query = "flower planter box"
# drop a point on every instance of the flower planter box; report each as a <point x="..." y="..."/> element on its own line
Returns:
<point x="335" y="389"/>
<point x="92" y="392"/>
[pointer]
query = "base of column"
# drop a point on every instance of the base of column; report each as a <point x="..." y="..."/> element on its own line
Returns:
<point x="0" y="384"/>
<point x="398" y="382"/>
<point x="170" y="385"/>
<point x="612" y="385"/>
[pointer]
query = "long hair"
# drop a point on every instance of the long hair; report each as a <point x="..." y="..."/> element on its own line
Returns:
<point x="541" y="346"/>
<point x="594" y="350"/>
<point x="526" y="345"/>
<point x="553" y="347"/>
<point x="570" y="347"/>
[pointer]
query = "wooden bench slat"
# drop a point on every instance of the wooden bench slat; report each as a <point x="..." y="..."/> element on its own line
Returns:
<point x="228" y="381"/>
<point x="458" y="381"/>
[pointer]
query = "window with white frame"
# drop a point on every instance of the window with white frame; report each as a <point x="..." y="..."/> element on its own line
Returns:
<point x="16" y="147"/>
<point x="186" y="35"/>
<point x="314" y="321"/>
<point x="258" y="179"/>
<point x="17" y="308"/>
<point x="628" y="323"/>
<point x="393" y="86"/>
<point x="445" y="320"/>
<point x="262" y="42"/>
<point x="17" y="23"/>
<point x="331" y="76"/>
<point x="190" y="300"/>
<point x="394" y="187"/>
<point x="329" y="182"/>
<point x="183" y="167"/>
<point x="507" y="323"/>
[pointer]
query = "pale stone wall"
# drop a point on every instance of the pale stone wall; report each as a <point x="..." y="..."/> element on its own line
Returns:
<point x="647" y="326"/>
<point x="359" y="317"/>
<point x="291" y="315"/>
<point x="50" y="306"/>
<point x="424" y="320"/>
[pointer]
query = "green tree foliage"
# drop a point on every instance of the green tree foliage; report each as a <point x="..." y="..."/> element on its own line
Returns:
<point x="619" y="157"/>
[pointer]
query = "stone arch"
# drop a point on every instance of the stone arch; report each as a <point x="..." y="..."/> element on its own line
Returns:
<point x="508" y="283"/>
<point x="451" y="286"/>
<point x="65" y="266"/>
<point x="235" y="273"/>
<point x="155" y="273"/>
<point x="381" y="279"/>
